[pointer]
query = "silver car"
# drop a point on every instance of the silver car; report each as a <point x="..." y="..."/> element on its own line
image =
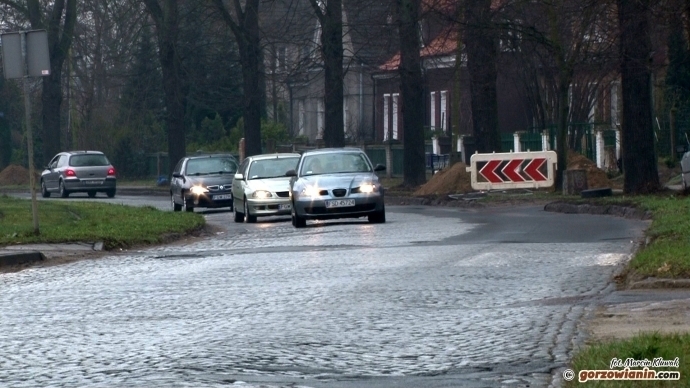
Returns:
<point x="685" y="170"/>
<point x="336" y="183"/>
<point x="261" y="188"/>
<point x="79" y="171"/>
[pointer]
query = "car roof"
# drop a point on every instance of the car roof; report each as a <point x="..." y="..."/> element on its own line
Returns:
<point x="83" y="152"/>
<point x="206" y="156"/>
<point x="274" y="156"/>
<point x="331" y="150"/>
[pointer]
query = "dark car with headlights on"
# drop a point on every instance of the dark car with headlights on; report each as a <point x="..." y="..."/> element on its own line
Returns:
<point x="203" y="181"/>
<point x="336" y="183"/>
<point x="79" y="172"/>
<point x="261" y="188"/>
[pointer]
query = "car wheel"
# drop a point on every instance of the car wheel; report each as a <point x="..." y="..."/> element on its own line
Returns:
<point x="239" y="216"/>
<point x="44" y="190"/>
<point x="188" y="207"/>
<point x="110" y="193"/>
<point x="378" y="217"/>
<point x="175" y="207"/>
<point x="92" y="194"/>
<point x="248" y="218"/>
<point x="297" y="221"/>
<point x="63" y="192"/>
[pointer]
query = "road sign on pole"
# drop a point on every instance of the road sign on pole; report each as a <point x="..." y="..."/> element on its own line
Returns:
<point x="25" y="54"/>
<point x="512" y="170"/>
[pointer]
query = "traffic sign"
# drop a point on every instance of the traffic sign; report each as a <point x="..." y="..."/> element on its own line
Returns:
<point x="512" y="170"/>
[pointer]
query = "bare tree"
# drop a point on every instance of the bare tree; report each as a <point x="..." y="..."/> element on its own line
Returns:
<point x="244" y="23"/>
<point x="59" y="21"/>
<point x="165" y="15"/>
<point x="412" y="90"/>
<point x="330" y="16"/>
<point x="480" y="42"/>
<point x="639" y="157"/>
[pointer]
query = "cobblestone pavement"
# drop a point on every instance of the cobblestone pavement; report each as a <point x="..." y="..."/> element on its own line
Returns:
<point x="433" y="298"/>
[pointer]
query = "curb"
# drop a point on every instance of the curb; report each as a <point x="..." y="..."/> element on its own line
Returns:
<point x="612" y="210"/>
<point x="19" y="258"/>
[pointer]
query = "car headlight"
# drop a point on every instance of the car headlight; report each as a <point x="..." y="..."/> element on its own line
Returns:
<point x="198" y="190"/>
<point x="311" y="191"/>
<point x="367" y="188"/>
<point x="261" y="194"/>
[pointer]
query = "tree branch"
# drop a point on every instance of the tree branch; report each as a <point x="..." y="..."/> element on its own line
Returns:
<point x="317" y="10"/>
<point x="155" y="10"/>
<point x="16" y="6"/>
<point x="234" y="27"/>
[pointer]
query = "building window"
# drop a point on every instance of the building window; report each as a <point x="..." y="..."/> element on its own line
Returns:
<point x="432" y="105"/>
<point x="444" y="118"/>
<point x="394" y="135"/>
<point x="386" y="101"/>
<point x="319" y="119"/>
<point x="300" y="127"/>
<point x="615" y="118"/>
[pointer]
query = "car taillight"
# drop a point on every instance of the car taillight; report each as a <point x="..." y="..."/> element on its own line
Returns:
<point x="70" y="173"/>
<point x="111" y="171"/>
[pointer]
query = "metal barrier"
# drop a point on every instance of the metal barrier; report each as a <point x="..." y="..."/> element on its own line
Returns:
<point x="436" y="162"/>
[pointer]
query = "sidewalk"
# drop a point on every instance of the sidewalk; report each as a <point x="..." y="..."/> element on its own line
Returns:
<point x="20" y="255"/>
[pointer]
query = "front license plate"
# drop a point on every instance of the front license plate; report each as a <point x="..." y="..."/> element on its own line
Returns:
<point x="222" y="196"/>
<point x="340" y="203"/>
<point x="285" y="207"/>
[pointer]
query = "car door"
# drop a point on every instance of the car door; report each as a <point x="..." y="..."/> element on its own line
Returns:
<point x="176" y="183"/>
<point x="51" y="175"/>
<point x="239" y="184"/>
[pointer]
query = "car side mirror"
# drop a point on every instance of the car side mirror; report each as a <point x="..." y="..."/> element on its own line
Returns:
<point x="239" y="177"/>
<point x="291" y="173"/>
<point x="177" y="175"/>
<point x="380" y="167"/>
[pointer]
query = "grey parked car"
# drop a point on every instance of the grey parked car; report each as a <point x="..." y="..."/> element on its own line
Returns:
<point x="336" y="183"/>
<point x="79" y="171"/>
<point x="261" y="188"/>
<point x="203" y="181"/>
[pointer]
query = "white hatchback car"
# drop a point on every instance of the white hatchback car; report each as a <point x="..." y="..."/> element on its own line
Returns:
<point x="261" y="188"/>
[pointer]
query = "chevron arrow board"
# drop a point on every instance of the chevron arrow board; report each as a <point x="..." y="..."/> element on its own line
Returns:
<point x="512" y="170"/>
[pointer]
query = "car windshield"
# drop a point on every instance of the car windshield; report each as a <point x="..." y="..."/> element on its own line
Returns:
<point x="335" y="163"/>
<point x="271" y="168"/>
<point x="88" y="160"/>
<point x="206" y="166"/>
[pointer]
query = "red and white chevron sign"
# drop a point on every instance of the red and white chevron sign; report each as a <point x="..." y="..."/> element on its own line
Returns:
<point x="513" y="170"/>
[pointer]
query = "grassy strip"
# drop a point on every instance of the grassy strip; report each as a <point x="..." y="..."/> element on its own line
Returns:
<point x="668" y="254"/>
<point x="643" y="346"/>
<point x="116" y="225"/>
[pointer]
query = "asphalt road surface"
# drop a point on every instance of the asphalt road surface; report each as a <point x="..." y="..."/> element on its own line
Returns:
<point x="436" y="297"/>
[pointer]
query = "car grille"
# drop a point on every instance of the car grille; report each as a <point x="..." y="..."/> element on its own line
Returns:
<point x="352" y="209"/>
<point x="283" y="194"/>
<point x="339" y="192"/>
<point x="218" y="187"/>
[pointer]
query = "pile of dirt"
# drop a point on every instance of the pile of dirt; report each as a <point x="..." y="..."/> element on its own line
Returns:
<point x="14" y="175"/>
<point x="596" y="178"/>
<point x="452" y="180"/>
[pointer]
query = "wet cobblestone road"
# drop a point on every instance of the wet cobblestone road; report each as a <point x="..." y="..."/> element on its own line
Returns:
<point x="434" y="298"/>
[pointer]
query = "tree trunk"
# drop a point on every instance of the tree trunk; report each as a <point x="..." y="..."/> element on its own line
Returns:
<point x="412" y="90"/>
<point x="254" y="96"/>
<point x="562" y="130"/>
<point x="481" y="66"/>
<point x="59" y="26"/>
<point x="639" y="157"/>
<point x="332" y="49"/>
<point x="166" y="19"/>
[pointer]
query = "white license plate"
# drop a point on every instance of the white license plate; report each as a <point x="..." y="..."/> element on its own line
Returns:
<point x="93" y="182"/>
<point x="340" y="203"/>
<point x="285" y="207"/>
<point x="222" y="196"/>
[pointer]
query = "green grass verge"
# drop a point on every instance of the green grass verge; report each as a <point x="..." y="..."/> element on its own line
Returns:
<point x="115" y="225"/>
<point x="643" y="346"/>
<point x="668" y="254"/>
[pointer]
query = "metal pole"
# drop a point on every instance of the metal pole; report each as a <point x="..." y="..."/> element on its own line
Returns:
<point x="29" y="138"/>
